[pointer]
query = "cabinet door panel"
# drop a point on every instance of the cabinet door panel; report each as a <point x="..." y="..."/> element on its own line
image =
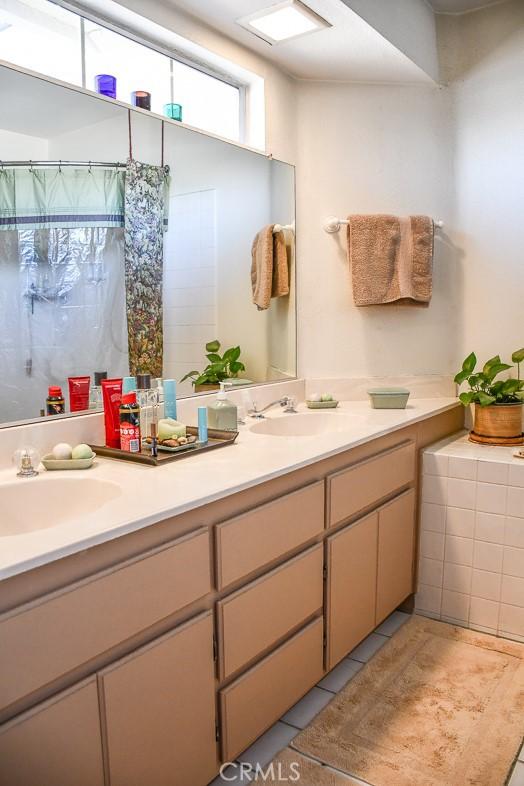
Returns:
<point x="254" y="618"/>
<point x="367" y="482"/>
<point x="396" y="540"/>
<point x="351" y="589"/>
<point x="160" y="710"/>
<point x="261" y="695"/>
<point x="57" y="743"/>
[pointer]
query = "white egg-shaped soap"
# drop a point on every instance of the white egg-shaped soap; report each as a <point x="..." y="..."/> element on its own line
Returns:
<point x="62" y="451"/>
<point x="326" y="397"/>
<point x="82" y="451"/>
<point x="314" y="397"/>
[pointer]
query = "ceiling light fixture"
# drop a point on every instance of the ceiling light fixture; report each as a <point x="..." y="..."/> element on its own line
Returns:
<point x="283" y="21"/>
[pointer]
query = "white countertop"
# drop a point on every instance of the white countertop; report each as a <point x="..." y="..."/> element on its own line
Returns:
<point x="149" y="494"/>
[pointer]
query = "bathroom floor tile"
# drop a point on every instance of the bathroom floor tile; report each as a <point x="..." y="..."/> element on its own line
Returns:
<point x="340" y="675"/>
<point x="392" y="623"/>
<point x="368" y="647"/>
<point x="231" y="774"/>
<point x="521" y="754"/>
<point x="268" y="745"/>
<point x="305" y="710"/>
<point x="517" y="778"/>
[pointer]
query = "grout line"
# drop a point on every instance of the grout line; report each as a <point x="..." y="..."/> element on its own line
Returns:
<point x="330" y="766"/>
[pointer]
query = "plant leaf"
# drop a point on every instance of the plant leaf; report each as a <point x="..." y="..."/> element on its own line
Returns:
<point x="213" y="346"/>
<point x="485" y="399"/>
<point x="518" y="356"/>
<point x="489" y="363"/>
<point x="461" y="377"/>
<point x="232" y="354"/>
<point x="190" y="375"/>
<point x="470" y="363"/>
<point x="495" y="369"/>
<point x="510" y="386"/>
<point x="467" y="398"/>
<point x="213" y="357"/>
<point x="236" y="366"/>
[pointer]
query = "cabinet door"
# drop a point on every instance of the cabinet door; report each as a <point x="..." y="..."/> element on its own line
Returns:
<point x="57" y="743"/>
<point x="351" y="586"/>
<point x="396" y="540"/>
<point x="160" y="714"/>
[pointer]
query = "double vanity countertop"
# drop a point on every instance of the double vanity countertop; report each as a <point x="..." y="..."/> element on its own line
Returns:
<point x="61" y="513"/>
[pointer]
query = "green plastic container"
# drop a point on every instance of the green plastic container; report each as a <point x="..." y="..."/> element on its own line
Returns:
<point x="388" y="398"/>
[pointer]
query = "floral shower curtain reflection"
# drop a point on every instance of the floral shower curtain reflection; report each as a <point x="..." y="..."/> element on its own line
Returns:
<point x="144" y="211"/>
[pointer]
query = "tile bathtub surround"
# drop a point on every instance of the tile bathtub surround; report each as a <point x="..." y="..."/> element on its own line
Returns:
<point x="471" y="556"/>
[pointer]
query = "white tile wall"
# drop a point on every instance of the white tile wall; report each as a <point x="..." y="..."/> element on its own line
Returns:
<point x="190" y="294"/>
<point x="471" y="563"/>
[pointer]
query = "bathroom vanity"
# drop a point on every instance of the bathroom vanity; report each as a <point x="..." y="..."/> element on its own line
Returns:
<point x="154" y="654"/>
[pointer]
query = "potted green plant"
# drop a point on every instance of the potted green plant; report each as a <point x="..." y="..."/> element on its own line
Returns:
<point x="220" y="368"/>
<point x="498" y="402"/>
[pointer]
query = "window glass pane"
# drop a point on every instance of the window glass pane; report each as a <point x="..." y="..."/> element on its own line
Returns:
<point x="136" y="67"/>
<point x="41" y="36"/>
<point x="206" y="102"/>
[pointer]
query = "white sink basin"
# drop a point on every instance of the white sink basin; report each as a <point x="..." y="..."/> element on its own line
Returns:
<point x="32" y="504"/>
<point x="306" y="424"/>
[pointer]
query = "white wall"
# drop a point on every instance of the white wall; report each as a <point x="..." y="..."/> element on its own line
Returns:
<point x="408" y="24"/>
<point x="372" y="149"/>
<point x="16" y="147"/>
<point x="484" y="60"/>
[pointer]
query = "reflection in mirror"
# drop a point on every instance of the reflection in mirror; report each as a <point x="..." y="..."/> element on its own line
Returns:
<point x="76" y="301"/>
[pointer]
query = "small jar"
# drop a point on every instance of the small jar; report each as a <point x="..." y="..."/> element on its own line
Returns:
<point x="55" y="403"/>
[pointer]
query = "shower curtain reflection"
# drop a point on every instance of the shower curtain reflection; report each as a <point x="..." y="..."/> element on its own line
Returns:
<point x="68" y="315"/>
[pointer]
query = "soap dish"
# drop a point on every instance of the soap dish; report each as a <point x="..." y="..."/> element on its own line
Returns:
<point x="51" y="463"/>
<point x="321" y="404"/>
<point x="389" y="398"/>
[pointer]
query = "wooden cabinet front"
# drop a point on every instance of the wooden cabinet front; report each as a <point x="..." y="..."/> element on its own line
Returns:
<point x="159" y="707"/>
<point x="396" y="546"/>
<point x="262" y="613"/>
<point x="351" y="586"/>
<point x="57" y="743"/>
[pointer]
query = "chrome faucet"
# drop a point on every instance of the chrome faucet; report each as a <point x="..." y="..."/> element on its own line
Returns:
<point x="288" y="403"/>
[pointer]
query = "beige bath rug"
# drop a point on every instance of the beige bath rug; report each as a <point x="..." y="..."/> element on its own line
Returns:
<point x="437" y="706"/>
<point x="291" y="767"/>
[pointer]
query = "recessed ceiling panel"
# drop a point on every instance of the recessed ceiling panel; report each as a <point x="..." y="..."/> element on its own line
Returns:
<point x="349" y="50"/>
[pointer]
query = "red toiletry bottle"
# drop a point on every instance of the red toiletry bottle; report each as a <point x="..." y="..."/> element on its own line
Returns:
<point x="130" y="424"/>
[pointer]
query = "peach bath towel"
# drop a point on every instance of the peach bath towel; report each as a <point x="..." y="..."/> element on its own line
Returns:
<point x="269" y="267"/>
<point x="391" y="259"/>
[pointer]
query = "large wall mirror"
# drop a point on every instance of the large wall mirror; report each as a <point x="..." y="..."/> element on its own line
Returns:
<point x="64" y="290"/>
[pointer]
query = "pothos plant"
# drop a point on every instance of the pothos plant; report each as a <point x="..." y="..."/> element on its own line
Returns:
<point x="220" y="368"/>
<point x="484" y="390"/>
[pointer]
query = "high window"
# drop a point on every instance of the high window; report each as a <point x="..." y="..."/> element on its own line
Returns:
<point x="43" y="37"/>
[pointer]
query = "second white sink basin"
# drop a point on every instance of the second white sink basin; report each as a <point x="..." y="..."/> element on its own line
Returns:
<point x="305" y="424"/>
<point x="31" y="504"/>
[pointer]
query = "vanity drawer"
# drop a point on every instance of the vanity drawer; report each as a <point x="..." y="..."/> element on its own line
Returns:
<point x="257" y="616"/>
<point x="368" y="482"/>
<point x="261" y="696"/>
<point x="261" y="535"/>
<point x="44" y="640"/>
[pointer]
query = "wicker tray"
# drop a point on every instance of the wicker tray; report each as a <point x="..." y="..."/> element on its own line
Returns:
<point x="216" y="439"/>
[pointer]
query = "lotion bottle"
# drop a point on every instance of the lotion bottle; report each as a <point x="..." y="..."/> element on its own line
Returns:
<point x="222" y="413"/>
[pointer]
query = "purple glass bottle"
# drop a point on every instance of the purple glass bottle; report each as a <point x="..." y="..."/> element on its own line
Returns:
<point x="105" y="85"/>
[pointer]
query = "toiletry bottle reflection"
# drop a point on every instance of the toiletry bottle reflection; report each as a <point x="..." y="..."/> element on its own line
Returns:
<point x="55" y="403"/>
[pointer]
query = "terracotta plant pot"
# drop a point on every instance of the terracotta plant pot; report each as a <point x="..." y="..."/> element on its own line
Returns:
<point x="206" y="388"/>
<point x="501" y="422"/>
